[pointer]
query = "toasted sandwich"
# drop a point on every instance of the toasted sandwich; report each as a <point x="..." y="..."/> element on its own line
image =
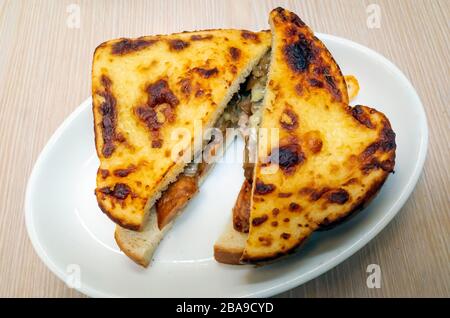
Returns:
<point x="146" y="89"/>
<point x="330" y="160"/>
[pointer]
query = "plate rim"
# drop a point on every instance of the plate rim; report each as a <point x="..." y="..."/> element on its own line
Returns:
<point x="281" y="287"/>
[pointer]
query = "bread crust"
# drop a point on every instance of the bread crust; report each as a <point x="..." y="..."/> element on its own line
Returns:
<point x="228" y="256"/>
<point x="229" y="247"/>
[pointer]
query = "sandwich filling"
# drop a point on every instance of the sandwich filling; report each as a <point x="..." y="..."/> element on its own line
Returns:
<point x="249" y="120"/>
<point x="243" y="111"/>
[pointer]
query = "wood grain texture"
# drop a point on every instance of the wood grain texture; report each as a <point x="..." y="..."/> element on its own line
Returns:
<point x="45" y="75"/>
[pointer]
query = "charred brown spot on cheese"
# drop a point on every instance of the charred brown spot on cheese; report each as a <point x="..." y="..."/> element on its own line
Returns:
<point x="274" y="223"/>
<point x="126" y="46"/>
<point x="294" y="207"/>
<point x="317" y="194"/>
<point x="325" y="79"/>
<point x="291" y="31"/>
<point x="321" y="70"/>
<point x="157" y="143"/>
<point x="160" y="106"/>
<point x="185" y="86"/>
<point x="120" y="137"/>
<point x="241" y="209"/>
<point x="265" y="240"/>
<point x="339" y="196"/>
<point x="387" y="165"/>
<point x="286" y="220"/>
<point x="298" y="55"/>
<point x="260" y="220"/>
<point x="315" y="83"/>
<point x="314" y="194"/>
<point x="370" y="150"/>
<point x="104" y="173"/>
<point x="312" y="141"/>
<point x="387" y="138"/>
<point x="106" y="82"/>
<point x="284" y="194"/>
<point x="109" y="117"/>
<point x="332" y="88"/>
<point x="288" y="157"/>
<point x="198" y="37"/>
<point x="160" y="93"/>
<point x="121" y="173"/>
<point x="199" y="93"/>
<point x="306" y="191"/>
<point x="360" y="115"/>
<point x="299" y="89"/>
<point x="178" y="44"/>
<point x="262" y="188"/>
<point x="235" y="53"/>
<point x="206" y="73"/>
<point x="302" y="51"/>
<point x="289" y="119"/>
<point x="249" y="35"/>
<point x="373" y="164"/>
<point x="120" y="191"/>
<point x="385" y="143"/>
<point x="275" y="211"/>
<point x="285" y="236"/>
<point x="350" y="181"/>
<point x="168" y="113"/>
<point x="148" y="116"/>
<point x="286" y="16"/>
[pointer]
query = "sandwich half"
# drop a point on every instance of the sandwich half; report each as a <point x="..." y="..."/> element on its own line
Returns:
<point x="148" y="96"/>
<point x="329" y="161"/>
<point x="150" y="93"/>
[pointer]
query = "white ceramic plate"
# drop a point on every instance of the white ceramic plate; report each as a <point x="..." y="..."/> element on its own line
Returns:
<point x="75" y="240"/>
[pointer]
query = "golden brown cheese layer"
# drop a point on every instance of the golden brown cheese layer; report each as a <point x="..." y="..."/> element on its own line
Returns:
<point x="144" y="88"/>
<point x="332" y="158"/>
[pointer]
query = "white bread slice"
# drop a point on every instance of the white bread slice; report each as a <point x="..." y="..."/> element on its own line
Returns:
<point x="140" y="246"/>
<point x="230" y="246"/>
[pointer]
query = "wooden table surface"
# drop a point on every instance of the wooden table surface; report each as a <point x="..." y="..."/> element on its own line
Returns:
<point x="45" y="65"/>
